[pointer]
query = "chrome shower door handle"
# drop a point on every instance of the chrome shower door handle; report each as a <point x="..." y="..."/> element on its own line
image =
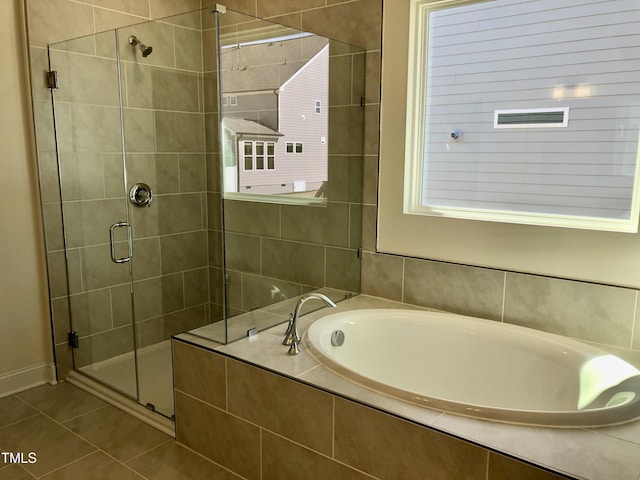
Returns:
<point x="113" y="244"/>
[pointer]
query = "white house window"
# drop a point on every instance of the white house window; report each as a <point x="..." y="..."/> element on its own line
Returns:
<point x="248" y="155"/>
<point x="488" y="134"/>
<point x="318" y="106"/>
<point x="298" y="147"/>
<point x="289" y="147"/>
<point x="532" y="118"/>
<point x="271" y="155"/>
<point x="258" y="154"/>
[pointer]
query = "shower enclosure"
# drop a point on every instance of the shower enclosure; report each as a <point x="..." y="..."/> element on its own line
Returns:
<point x="209" y="165"/>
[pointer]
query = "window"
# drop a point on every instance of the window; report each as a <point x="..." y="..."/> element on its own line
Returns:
<point x="257" y="154"/>
<point x="581" y="76"/>
<point x="477" y="66"/>
<point x="248" y="155"/>
<point x="318" y="106"/>
<point x="294" y="147"/>
<point x="532" y="118"/>
<point x="271" y="156"/>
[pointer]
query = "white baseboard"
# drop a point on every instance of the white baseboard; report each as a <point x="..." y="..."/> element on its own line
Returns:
<point x="26" y="378"/>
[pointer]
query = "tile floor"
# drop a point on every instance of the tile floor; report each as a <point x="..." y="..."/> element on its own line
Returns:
<point x="78" y="436"/>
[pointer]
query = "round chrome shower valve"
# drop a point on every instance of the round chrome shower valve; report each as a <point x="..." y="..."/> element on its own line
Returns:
<point x="141" y="195"/>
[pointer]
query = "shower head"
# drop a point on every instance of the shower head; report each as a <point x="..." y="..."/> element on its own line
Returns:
<point x="146" y="51"/>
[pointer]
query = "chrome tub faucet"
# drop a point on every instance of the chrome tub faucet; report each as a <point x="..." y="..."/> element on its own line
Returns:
<point x="291" y="337"/>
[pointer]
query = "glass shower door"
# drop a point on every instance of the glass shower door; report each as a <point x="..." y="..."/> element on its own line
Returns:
<point x="96" y="236"/>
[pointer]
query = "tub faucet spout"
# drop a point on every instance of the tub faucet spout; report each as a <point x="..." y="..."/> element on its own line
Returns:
<point x="291" y="337"/>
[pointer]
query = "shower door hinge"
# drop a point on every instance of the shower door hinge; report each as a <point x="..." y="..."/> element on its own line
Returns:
<point x="52" y="80"/>
<point x="74" y="339"/>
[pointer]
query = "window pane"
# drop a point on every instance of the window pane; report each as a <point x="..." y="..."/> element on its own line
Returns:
<point x="259" y="163"/>
<point x="289" y="147"/>
<point x="248" y="163"/>
<point x="497" y="56"/>
<point x="298" y="148"/>
<point x="248" y="148"/>
<point x="271" y="163"/>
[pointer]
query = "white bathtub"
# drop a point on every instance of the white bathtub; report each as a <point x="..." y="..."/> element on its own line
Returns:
<point x="479" y="368"/>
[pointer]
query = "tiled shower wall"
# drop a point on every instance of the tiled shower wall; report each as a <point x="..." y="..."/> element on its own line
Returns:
<point x="164" y="131"/>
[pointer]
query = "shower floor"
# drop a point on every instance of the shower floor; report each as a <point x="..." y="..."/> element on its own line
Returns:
<point x="155" y="379"/>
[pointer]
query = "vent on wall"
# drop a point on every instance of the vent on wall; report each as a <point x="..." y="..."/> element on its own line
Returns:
<point x="532" y="118"/>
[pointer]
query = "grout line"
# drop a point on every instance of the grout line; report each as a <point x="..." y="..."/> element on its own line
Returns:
<point x="488" y="458"/>
<point x="504" y="296"/>
<point x="70" y="463"/>
<point x="333" y="428"/>
<point x="151" y="449"/>
<point x="634" y="321"/>
<point x="261" y="449"/>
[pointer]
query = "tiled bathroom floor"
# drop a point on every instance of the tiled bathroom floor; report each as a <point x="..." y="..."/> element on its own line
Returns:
<point x="75" y="435"/>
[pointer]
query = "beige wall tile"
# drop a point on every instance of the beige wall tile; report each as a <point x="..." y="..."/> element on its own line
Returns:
<point x="72" y="20"/>
<point x="139" y="134"/>
<point x="135" y="7"/>
<point x="343" y="269"/>
<point x="163" y="328"/>
<point x="193" y="173"/>
<point x="179" y="132"/>
<point x="189" y="49"/>
<point x="357" y="23"/>
<point x="196" y="287"/>
<point x="95" y="128"/>
<point x="260" y="291"/>
<point x="161" y="171"/>
<point x="166" y="8"/>
<point x="588" y="311"/>
<point x="82" y="176"/>
<point x="98" y="271"/>
<point x="270" y="8"/>
<point x="327" y="224"/>
<point x="183" y="251"/>
<point x="454" y="288"/>
<point x="387" y="447"/>
<point x="346" y="125"/>
<point x="504" y="468"/>
<point x="193" y="429"/>
<point x="253" y="218"/>
<point x="91" y="312"/>
<point x="243" y="252"/>
<point x="293" y="261"/>
<point x="156" y="296"/>
<point x="282" y="459"/>
<point x="102" y="346"/>
<point x="297" y="411"/>
<point x="191" y="364"/>
<point x="382" y="276"/>
<point x="87" y="223"/>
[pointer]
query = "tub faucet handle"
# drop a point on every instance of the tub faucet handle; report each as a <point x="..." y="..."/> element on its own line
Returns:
<point x="291" y="337"/>
<point x="291" y="334"/>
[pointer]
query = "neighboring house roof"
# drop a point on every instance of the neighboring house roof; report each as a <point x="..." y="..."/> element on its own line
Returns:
<point x="240" y="126"/>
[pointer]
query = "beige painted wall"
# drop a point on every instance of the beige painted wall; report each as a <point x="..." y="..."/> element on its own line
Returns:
<point x="25" y="334"/>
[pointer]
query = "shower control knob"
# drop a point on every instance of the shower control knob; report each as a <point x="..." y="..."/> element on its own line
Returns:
<point x="140" y="195"/>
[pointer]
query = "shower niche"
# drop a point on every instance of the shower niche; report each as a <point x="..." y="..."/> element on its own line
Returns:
<point x="210" y="173"/>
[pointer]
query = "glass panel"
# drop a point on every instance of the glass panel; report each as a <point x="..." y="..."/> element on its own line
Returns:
<point x="90" y="166"/>
<point x="164" y="130"/>
<point x="274" y="251"/>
